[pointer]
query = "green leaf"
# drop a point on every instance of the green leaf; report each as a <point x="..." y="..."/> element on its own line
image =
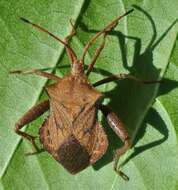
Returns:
<point x="144" y="44"/>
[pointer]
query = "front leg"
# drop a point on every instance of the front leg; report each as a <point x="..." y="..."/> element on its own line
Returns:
<point x="118" y="127"/>
<point x="28" y="117"/>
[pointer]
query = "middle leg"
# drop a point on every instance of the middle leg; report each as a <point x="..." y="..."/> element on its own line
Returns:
<point x="124" y="76"/>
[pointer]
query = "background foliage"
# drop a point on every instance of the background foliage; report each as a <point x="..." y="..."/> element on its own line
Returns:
<point x="144" y="44"/>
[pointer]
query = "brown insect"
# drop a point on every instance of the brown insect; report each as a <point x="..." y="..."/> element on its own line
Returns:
<point x="71" y="133"/>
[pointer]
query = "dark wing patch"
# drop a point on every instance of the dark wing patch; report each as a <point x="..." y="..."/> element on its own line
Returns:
<point x="73" y="156"/>
<point x="67" y="151"/>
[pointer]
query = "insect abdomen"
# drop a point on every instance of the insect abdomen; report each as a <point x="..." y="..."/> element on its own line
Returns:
<point x="73" y="156"/>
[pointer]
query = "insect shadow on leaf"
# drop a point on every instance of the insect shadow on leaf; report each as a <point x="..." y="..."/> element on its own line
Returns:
<point x="130" y="108"/>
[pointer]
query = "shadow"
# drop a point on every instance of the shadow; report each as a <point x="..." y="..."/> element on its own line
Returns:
<point x="152" y="118"/>
<point x="167" y="86"/>
<point x="129" y="99"/>
<point x="82" y="11"/>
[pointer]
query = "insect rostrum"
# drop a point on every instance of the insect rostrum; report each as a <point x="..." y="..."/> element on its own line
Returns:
<point x="71" y="132"/>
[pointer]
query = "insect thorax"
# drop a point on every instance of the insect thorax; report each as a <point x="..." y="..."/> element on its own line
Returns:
<point x="74" y="89"/>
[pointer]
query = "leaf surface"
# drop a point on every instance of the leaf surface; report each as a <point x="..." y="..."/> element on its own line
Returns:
<point x="143" y="44"/>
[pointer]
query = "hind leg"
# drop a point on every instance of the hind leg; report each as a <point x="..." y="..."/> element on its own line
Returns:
<point x="31" y="115"/>
<point x="124" y="76"/>
<point x="118" y="127"/>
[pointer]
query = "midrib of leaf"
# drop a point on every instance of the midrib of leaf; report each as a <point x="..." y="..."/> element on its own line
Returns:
<point x="40" y="92"/>
<point x="162" y="107"/>
<point x="114" y="181"/>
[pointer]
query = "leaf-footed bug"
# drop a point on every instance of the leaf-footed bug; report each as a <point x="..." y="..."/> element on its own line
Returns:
<point x="71" y="132"/>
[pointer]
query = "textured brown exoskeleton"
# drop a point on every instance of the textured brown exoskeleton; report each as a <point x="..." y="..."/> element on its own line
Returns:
<point x="71" y="133"/>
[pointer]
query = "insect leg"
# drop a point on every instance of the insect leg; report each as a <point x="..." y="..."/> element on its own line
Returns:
<point x="124" y="76"/>
<point x="37" y="72"/>
<point x="118" y="127"/>
<point x="109" y="27"/>
<point x="28" y="117"/>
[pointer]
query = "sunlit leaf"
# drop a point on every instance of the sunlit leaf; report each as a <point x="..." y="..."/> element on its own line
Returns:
<point x="143" y="44"/>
